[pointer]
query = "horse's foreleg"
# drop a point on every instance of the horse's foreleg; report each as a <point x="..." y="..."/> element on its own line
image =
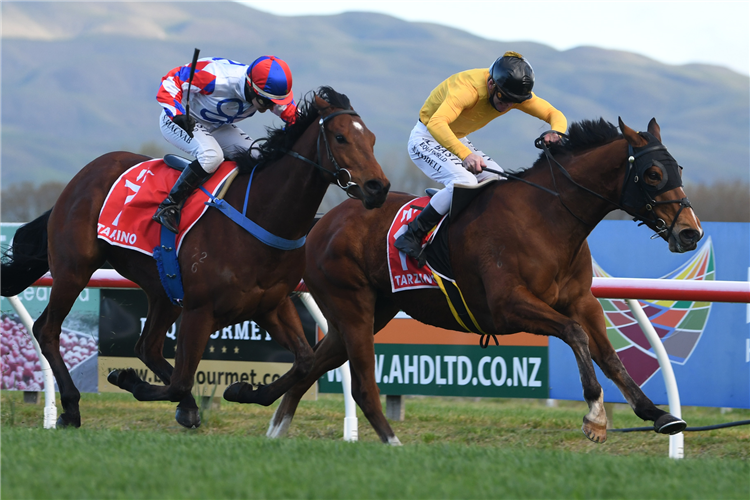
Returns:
<point x="330" y="353"/>
<point x="285" y="327"/>
<point x="525" y="312"/>
<point x="361" y="349"/>
<point x="603" y="353"/>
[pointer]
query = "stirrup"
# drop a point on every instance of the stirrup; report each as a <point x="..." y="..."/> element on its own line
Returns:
<point x="169" y="217"/>
<point x="413" y="247"/>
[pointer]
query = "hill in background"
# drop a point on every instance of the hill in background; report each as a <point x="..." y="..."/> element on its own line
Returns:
<point x="79" y="80"/>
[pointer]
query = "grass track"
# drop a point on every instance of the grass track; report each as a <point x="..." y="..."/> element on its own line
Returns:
<point x="452" y="449"/>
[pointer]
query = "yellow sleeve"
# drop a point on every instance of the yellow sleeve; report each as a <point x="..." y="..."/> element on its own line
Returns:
<point x="539" y="108"/>
<point x="447" y="112"/>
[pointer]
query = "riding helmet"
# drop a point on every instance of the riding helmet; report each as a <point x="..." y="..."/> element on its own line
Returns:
<point x="513" y="76"/>
<point x="270" y="77"/>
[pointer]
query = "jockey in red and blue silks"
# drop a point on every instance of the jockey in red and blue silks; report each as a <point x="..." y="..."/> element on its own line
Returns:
<point x="222" y="93"/>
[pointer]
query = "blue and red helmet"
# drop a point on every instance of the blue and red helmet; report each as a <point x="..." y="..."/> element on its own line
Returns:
<point x="270" y="77"/>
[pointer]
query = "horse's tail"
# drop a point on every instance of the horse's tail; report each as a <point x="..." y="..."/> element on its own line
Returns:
<point x="26" y="260"/>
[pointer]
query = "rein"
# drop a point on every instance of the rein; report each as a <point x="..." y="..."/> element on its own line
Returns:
<point x="657" y="224"/>
<point x="258" y="232"/>
<point x="338" y="170"/>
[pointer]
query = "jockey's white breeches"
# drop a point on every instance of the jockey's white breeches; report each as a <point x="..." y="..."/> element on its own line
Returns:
<point x="444" y="167"/>
<point x="209" y="148"/>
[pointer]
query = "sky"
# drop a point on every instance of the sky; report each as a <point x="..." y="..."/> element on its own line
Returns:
<point x="672" y="32"/>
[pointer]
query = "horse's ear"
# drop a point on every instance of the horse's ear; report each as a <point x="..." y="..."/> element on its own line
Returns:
<point x="633" y="137"/>
<point x="654" y="129"/>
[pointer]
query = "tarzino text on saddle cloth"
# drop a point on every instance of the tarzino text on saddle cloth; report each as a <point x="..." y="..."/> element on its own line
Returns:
<point x="403" y="270"/>
<point x="125" y="218"/>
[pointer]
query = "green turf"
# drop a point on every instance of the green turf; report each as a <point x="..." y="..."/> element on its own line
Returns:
<point x="453" y="448"/>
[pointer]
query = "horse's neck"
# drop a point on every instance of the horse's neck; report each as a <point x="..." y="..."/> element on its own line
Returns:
<point x="599" y="170"/>
<point x="285" y="195"/>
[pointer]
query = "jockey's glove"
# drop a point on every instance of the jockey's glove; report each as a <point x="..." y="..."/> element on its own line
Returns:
<point x="185" y="122"/>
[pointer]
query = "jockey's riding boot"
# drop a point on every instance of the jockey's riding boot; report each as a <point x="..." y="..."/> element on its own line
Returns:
<point x="168" y="213"/>
<point x="411" y="241"/>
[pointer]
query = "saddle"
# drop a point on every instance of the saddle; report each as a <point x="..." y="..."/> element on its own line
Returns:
<point x="436" y="250"/>
<point x="404" y="273"/>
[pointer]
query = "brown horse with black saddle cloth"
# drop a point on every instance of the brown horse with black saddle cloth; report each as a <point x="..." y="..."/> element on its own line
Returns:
<point x="228" y="274"/>
<point x="519" y="255"/>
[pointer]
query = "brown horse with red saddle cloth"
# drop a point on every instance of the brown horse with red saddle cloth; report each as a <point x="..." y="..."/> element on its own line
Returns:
<point x="519" y="255"/>
<point x="229" y="275"/>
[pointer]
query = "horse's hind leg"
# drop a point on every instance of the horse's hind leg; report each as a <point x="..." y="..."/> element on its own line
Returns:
<point x="195" y="329"/>
<point x="605" y="356"/>
<point x="150" y="349"/>
<point x="65" y="290"/>
<point x="330" y="353"/>
<point x="285" y="327"/>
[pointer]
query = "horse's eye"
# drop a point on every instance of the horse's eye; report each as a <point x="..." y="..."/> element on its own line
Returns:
<point x="340" y="139"/>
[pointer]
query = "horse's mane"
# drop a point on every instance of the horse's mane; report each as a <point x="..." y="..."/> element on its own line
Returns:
<point x="281" y="139"/>
<point x="582" y="135"/>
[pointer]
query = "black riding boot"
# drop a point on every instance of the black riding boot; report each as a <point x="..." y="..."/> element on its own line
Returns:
<point x="168" y="213"/>
<point x="411" y="241"/>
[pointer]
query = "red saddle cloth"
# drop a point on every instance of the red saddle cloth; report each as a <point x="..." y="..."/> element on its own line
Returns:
<point x="403" y="270"/>
<point x="125" y="218"/>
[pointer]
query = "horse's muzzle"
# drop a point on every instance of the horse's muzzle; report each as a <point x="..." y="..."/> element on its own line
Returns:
<point x="690" y="237"/>
<point x="374" y="193"/>
<point x="685" y="241"/>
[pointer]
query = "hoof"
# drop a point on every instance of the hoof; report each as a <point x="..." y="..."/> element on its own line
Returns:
<point x="595" y="432"/>
<point x="125" y="379"/>
<point x="189" y="418"/>
<point x="113" y="376"/>
<point x="669" y="424"/>
<point x="394" y="441"/>
<point x="242" y="392"/>
<point x="66" y="422"/>
<point x="237" y="392"/>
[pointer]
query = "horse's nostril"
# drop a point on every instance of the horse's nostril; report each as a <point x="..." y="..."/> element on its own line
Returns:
<point x="689" y="236"/>
<point x="374" y="187"/>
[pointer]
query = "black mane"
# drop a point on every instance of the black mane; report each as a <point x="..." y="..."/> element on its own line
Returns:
<point x="587" y="134"/>
<point x="582" y="135"/>
<point x="281" y="139"/>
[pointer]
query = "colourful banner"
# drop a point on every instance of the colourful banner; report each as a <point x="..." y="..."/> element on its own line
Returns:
<point x="708" y="343"/>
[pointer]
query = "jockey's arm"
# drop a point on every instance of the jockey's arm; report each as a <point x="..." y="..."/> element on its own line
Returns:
<point x="439" y="127"/>
<point x="175" y="83"/>
<point x="539" y="108"/>
<point x="287" y="112"/>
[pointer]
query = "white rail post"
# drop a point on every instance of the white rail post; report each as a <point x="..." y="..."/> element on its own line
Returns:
<point x="50" y="410"/>
<point x="350" y="415"/>
<point x="676" y="441"/>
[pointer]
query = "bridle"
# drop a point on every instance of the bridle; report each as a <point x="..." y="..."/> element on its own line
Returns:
<point x="639" y="160"/>
<point x="638" y="163"/>
<point x="338" y="171"/>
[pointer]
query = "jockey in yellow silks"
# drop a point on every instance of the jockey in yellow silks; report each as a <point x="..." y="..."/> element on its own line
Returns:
<point x="460" y="105"/>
